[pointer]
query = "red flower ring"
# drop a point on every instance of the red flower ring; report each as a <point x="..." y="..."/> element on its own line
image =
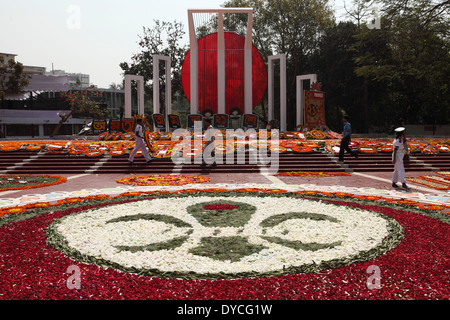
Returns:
<point x="415" y="269"/>
<point x="217" y="207"/>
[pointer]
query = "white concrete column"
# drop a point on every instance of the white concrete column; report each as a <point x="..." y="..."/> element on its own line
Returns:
<point x="41" y="130"/>
<point x="221" y="77"/>
<point x="194" y="63"/>
<point x="156" y="104"/>
<point x="141" y="97"/>
<point x="156" y="87"/>
<point x="128" y="94"/>
<point x="283" y="98"/>
<point x="248" y="66"/>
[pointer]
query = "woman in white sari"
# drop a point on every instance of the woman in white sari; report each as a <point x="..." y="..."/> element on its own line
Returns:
<point x="397" y="158"/>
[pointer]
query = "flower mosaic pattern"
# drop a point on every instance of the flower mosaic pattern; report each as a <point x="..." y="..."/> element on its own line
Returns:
<point x="228" y="236"/>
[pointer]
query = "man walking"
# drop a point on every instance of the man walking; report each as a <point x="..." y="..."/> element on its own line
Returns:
<point x="140" y="144"/>
<point x="346" y="139"/>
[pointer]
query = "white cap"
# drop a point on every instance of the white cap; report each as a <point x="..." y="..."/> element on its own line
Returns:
<point x="401" y="129"/>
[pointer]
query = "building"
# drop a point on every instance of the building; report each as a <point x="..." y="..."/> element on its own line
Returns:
<point x="36" y="111"/>
<point x="8" y="56"/>
<point x="31" y="70"/>
<point x="76" y="80"/>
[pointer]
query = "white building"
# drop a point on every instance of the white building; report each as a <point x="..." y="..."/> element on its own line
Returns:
<point x="76" y="80"/>
<point x="24" y="115"/>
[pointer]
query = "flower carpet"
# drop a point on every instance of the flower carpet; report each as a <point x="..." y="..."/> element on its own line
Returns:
<point x="163" y="180"/>
<point x="313" y="174"/>
<point x="229" y="242"/>
<point x="164" y="145"/>
<point x="433" y="181"/>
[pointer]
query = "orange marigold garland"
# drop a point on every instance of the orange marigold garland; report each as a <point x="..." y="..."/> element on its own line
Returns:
<point x="438" y="182"/>
<point x="10" y="146"/>
<point x="313" y="174"/>
<point x="34" y="147"/>
<point x="302" y="149"/>
<point x="317" y="134"/>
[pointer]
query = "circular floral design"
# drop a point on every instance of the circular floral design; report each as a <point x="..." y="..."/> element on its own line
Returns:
<point x="302" y="149"/>
<point x="163" y="180"/>
<point x="35" y="271"/>
<point x="257" y="238"/>
<point x="317" y="134"/>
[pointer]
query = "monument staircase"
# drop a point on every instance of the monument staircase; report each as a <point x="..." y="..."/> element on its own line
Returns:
<point x="27" y="162"/>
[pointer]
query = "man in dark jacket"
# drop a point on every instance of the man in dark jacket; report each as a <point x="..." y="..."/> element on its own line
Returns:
<point x="346" y="140"/>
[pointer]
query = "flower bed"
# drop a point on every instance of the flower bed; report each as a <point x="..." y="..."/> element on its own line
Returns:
<point x="313" y="174"/>
<point x="294" y="142"/>
<point x="435" y="182"/>
<point x="398" y="243"/>
<point x="163" y="180"/>
<point x="22" y="182"/>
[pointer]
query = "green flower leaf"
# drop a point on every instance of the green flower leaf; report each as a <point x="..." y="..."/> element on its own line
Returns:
<point x="226" y="248"/>
<point x="276" y="220"/>
<point x="153" y="217"/>
<point x="298" y="245"/>
<point x="168" y="245"/>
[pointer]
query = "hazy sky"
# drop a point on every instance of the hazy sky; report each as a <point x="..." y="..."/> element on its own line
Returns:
<point x="90" y="37"/>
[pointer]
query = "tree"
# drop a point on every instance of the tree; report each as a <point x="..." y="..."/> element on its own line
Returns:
<point x="359" y="10"/>
<point x="409" y="57"/>
<point x="335" y="65"/>
<point x="116" y="86"/>
<point x="12" y="78"/>
<point x="292" y="27"/>
<point x="164" y="38"/>
<point x="429" y="9"/>
<point x="83" y="104"/>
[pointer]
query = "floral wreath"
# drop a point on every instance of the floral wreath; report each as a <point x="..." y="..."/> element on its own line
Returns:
<point x="317" y="134"/>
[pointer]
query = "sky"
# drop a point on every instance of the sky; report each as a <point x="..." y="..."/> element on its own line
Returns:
<point x="91" y="37"/>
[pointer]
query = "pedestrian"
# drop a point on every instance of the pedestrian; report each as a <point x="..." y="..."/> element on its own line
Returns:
<point x="397" y="158"/>
<point x="140" y="144"/>
<point x="346" y="139"/>
<point x="209" y="139"/>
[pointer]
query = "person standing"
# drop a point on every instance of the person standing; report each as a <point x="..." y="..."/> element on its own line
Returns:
<point x="397" y="158"/>
<point x="140" y="144"/>
<point x="346" y="139"/>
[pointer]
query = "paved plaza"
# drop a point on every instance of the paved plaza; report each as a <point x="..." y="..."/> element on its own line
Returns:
<point x="367" y="183"/>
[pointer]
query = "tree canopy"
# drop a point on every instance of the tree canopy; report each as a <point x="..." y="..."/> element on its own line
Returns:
<point x="12" y="78"/>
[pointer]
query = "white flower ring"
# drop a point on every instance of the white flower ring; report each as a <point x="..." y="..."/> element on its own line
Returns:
<point x="261" y="236"/>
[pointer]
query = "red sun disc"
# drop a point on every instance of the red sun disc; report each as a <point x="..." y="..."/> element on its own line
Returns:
<point x="234" y="73"/>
